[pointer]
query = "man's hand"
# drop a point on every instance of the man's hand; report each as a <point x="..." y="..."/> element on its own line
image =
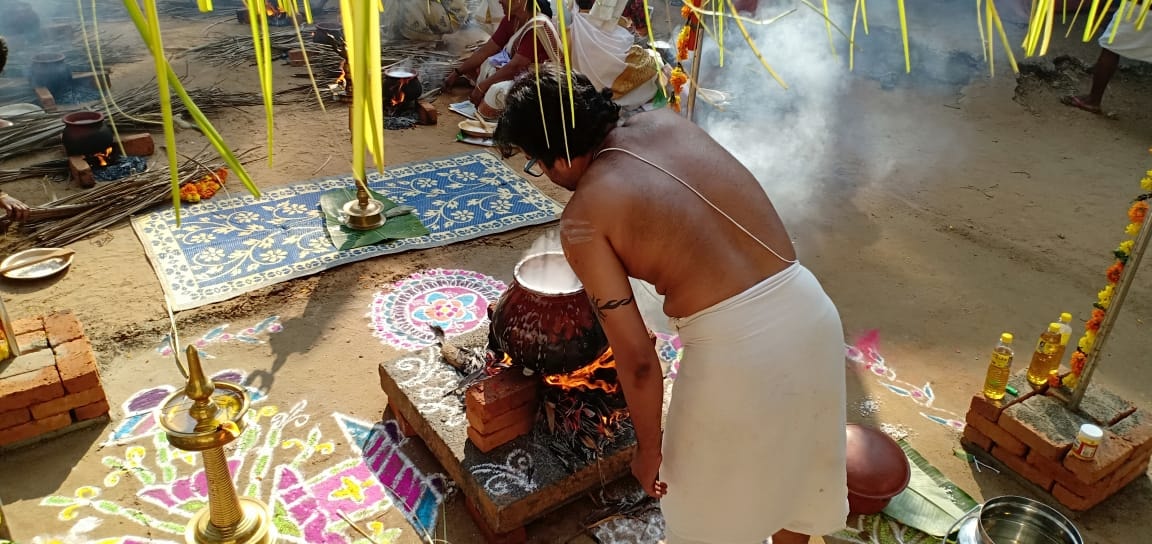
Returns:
<point x="452" y="79"/>
<point x="16" y="210"/>
<point x="646" y="469"/>
<point x="478" y="93"/>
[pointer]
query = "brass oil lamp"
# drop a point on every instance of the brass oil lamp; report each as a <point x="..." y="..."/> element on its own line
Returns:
<point x="205" y="416"/>
<point x="364" y="213"/>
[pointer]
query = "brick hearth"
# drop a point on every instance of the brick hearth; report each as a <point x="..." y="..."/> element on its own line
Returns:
<point x="53" y="386"/>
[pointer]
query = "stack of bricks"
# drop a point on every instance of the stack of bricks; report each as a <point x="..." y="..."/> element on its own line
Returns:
<point x="53" y="384"/>
<point x="1032" y="434"/>
<point x="134" y="145"/>
<point x="501" y="408"/>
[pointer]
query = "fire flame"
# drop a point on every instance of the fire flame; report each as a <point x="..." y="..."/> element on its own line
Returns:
<point x="342" y="79"/>
<point x="272" y="11"/>
<point x="103" y="158"/>
<point x="398" y="96"/>
<point x="585" y="377"/>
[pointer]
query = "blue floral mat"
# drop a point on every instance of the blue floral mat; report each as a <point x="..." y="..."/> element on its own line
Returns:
<point x="227" y="247"/>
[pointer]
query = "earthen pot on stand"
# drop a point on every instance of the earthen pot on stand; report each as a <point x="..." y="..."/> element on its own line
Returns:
<point x="544" y="320"/>
<point x="85" y="133"/>
<point x="878" y="469"/>
<point x="49" y="70"/>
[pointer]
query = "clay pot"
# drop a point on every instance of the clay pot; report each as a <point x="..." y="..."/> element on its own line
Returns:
<point x="544" y="320"/>
<point x="86" y="133"/>
<point x="328" y="34"/>
<point x="877" y="469"/>
<point x="50" y="71"/>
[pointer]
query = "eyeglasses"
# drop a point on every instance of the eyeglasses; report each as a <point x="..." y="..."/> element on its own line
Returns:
<point x="528" y="169"/>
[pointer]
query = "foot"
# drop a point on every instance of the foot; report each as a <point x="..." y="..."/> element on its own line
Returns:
<point x="1081" y="102"/>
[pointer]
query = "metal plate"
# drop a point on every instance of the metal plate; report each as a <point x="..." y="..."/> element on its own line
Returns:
<point x="39" y="270"/>
<point x="969" y="532"/>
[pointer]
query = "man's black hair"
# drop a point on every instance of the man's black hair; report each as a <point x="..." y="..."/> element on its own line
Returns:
<point x="544" y="7"/>
<point x="540" y="121"/>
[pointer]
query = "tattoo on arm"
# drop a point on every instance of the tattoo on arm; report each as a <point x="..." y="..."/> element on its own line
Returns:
<point x="606" y="305"/>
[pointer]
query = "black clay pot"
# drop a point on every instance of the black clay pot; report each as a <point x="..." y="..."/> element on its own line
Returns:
<point x="49" y="70"/>
<point x="86" y="133"/>
<point x="328" y="34"/>
<point x="544" y="320"/>
<point x="401" y="89"/>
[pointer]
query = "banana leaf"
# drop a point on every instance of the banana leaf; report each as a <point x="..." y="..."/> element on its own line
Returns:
<point x="931" y="503"/>
<point x="344" y="238"/>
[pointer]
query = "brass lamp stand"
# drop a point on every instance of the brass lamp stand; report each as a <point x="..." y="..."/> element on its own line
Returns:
<point x="364" y="213"/>
<point x="204" y="417"/>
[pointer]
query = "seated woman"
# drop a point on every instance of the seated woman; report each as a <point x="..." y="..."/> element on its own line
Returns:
<point x="522" y="40"/>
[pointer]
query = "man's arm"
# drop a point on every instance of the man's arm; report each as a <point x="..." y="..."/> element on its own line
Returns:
<point x="595" y="262"/>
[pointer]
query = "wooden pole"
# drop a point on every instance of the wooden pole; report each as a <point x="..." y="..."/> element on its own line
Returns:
<point x="1111" y="314"/>
<point x="694" y="77"/>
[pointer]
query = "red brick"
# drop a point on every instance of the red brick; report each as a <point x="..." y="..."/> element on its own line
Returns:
<point x="91" y="411"/>
<point x="34" y="428"/>
<point x="67" y="402"/>
<point x="1136" y="428"/>
<point x="488" y="442"/>
<point x="515" y="536"/>
<point x="501" y="393"/>
<point x="24" y="390"/>
<point x="77" y="364"/>
<point x="296" y="58"/>
<point x="32" y="341"/>
<point x="11" y="418"/>
<point x="1020" y="466"/>
<point x="999" y="436"/>
<point x="62" y="327"/>
<point x="406" y="428"/>
<point x="427" y="113"/>
<point x="986" y="408"/>
<point x="977" y="438"/>
<point x="1075" y="502"/>
<point x="515" y="416"/>
<point x="46" y="100"/>
<point x="1111" y="454"/>
<point x="28" y="362"/>
<point x="138" y="145"/>
<point x="81" y="172"/>
<point x="1063" y="476"/>
<point x="1043" y="424"/>
<point x="27" y="324"/>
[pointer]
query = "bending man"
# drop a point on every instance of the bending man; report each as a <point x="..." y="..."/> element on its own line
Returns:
<point x="754" y="443"/>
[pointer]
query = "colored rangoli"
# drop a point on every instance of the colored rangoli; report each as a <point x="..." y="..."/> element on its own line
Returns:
<point x="455" y="300"/>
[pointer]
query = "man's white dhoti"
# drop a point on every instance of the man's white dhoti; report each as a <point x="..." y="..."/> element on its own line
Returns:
<point x="1128" y="42"/>
<point x="754" y="440"/>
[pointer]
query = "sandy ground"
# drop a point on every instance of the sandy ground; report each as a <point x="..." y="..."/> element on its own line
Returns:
<point x="975" y="209"/>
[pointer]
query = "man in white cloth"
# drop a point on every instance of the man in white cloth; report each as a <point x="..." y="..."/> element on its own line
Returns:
<point x="1128" y="42"/>
<point x="754" y="445"/>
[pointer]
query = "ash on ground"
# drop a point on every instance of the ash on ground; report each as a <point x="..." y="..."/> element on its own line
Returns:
<point x="123" y="167"/>
<point x="76" y="95"/>
<point x="401" y="121"/>
<point x="868" y="406"/>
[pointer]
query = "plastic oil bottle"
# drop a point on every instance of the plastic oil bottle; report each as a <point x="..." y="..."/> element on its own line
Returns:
<point x="1044" y="358"/>
<point x="999" y="368"/>
<point x="1065" y="336"/>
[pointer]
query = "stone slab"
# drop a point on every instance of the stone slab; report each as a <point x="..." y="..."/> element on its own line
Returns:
<point x="513" y="484"/>
<point x="27" y="362"/>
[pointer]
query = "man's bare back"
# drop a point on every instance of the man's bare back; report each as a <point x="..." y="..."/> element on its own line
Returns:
<point x="662" y="232"/>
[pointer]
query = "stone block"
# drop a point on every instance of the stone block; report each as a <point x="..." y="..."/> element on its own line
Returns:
<point x="32" y="341"/>
<point x="12" y="418"/>
<point x="427" y="113"/>
<point x="1018" y="465"/>
<point x="501" y="393"/>
<point x="81" y="172"/>
<point x="67" y="402"/>
<point x="46" y="100"/>
<point x="1063" y="476"/>
<point x="1111" y="454"/>
<point x="138" y="145"/>
<point x="296" y="58"/>
<point x="488" y="424"/>
<point x="28" y="362"/>
<point x="1103" y="406"/>
<point x="35" y="428"/>
<point x="999" y="436"/>
<point x="515" y="536"/>
<point x="488" y="442"/>
<point x="77" y="364"/>
<point x="27" y="324"/>
<point x="62" y="327"/>
<point x="977" y="438"/>
<point x="1137" y="429"/>
<point x="91" y="411"/>
<point x="1043" y="424"/>
<point x="23" y="390"/>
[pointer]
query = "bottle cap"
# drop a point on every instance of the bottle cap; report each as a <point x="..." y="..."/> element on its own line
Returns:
<point x="1065" y="317"/>
<point x="1006" y="338"/>
<point x="1054" y="327"/>
<point x="1091" y="431"/>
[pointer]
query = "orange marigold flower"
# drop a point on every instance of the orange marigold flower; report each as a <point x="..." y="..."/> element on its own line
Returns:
<point x="1077" y="362"/>
<point x="1093" y="325"/>
<point x="682" y="43"/>
<point x="1138" y="211"/>
<point x="1114" y="272"/>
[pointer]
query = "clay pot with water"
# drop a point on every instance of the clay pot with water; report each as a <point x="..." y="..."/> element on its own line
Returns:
<point x="86" y="133"/>
<point x="51" y="71"/>
<point x="544" y="321"/>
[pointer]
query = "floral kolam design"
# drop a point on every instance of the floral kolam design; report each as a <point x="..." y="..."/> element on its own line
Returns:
<point x="454" y="300"/>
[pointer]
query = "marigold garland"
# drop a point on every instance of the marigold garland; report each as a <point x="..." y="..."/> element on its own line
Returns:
<point x="686" y="39"/>
<point x="678" y="79"/>
<point x="1137" y="214"/>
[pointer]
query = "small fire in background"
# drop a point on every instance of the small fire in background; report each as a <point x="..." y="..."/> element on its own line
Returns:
<point x="584" y="411"/>
<point x="100" y="159"/>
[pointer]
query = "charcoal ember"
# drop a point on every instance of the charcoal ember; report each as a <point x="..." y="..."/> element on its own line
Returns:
<point x="123" y="167"/>
<point x="401" y="121"/>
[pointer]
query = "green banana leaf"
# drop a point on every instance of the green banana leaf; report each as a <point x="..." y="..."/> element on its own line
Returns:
<point x="931" y="503"/>
<point x="344" y="238"/>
